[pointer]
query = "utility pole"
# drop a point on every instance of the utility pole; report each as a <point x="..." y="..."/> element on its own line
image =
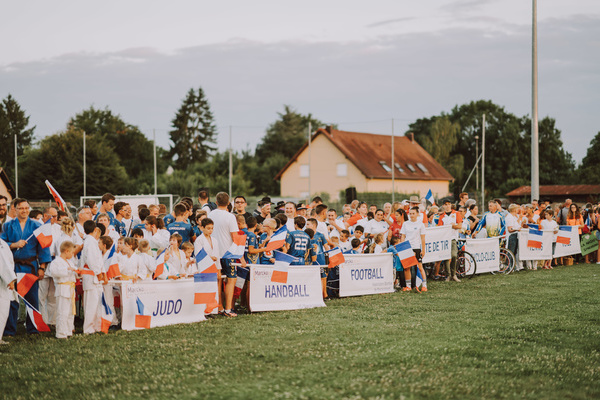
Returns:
<point x="476" y="166"/>
<point x="483" y="163"/>
<point x="535" y="164"/>
<point x="309" y="158"/>
<point x="230" y="164"/>
<point x="393" y="180"/>
<point x="155" y="171"/>
<point x="16" y="169"/>
<point x="84" y="169"/>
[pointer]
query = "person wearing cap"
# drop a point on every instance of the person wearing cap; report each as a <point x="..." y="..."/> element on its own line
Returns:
<point x="280" y="207"/>
<point x="301" y="210"/>
<point x="415" y="202"/>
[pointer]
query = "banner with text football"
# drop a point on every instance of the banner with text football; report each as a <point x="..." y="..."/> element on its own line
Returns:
<point x="437" y="243"/>
<point x="486" y="253"/>
<point x="533" y="253"/>
<point x="302" y="289"/>
<point x="363" y="274"/>
<point x="166" y="302"/>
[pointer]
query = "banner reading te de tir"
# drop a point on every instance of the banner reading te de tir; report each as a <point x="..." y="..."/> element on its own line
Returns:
<point x="437" y="243"/>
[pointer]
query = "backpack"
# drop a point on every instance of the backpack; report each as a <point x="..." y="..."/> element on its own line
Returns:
<point x="211" y="205"/>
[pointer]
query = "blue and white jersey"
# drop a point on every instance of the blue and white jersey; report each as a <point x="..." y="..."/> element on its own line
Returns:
<point x="493" y="224"/>
<point x="183" y="228"/>
<point x="318" y="243"/>
<point x="299" y="242"/>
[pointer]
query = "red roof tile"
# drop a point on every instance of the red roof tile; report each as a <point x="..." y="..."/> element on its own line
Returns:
<point x="555" y="190"/>
<point x="366" y="150"/>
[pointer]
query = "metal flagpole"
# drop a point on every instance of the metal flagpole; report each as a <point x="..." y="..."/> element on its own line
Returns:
<point x="535" y="165"/>
<point x="483" y="164"/>
<point x="476" y="167"/>
<point x="155" y="169"/>
<point x="16" y="169"/>
<point x="230" y="163"/>
<point x="309" y="159"/>
<point x="84" y="168"/>
<point x="393" y="180"/>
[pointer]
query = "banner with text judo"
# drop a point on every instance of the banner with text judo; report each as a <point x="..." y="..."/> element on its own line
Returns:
<point x="166" y="302"/>
<point x="437" y="243"/>
<point x="533" y="253"/>
<point x="363" y="274"/>
<point x="569" y="246"/>
<point x="302" y="289"/>
<point x="486" y="253"/>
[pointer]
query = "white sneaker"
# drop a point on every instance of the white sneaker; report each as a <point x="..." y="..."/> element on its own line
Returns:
<point x="3" y="342"/>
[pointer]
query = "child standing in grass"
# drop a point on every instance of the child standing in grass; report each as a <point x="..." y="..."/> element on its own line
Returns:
<point x="64" y="273"/>
<point x="549" y="224"/>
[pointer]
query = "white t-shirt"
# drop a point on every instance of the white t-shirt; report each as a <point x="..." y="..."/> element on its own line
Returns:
<point x="322" y="227"/>
<point x="413" y="232"/>
<point x="511" y="222"/>
<point x="550" y="226"/>
<point x="375" y="227"/>
<point x="225" y="225"/>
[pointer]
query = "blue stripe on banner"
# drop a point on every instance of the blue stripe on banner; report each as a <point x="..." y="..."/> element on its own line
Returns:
<point x="565" y="228"/>
<point x="206" y="277"/>
<point x="533" y="226"/>
<point x="535" y="232"/>
<point x="140" y="306"/>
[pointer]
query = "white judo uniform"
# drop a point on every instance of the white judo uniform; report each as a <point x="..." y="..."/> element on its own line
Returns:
<point x="64" y="275"/>
<point x="92" y="264"/>
<point x="7" y="275"/>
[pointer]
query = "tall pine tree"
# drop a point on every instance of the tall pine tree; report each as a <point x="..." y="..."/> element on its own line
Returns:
<point x="13" y="121"/>
<point x="194" y="133"/>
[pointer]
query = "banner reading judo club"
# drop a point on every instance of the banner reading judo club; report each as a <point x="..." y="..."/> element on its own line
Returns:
<point x="437" y="243"/>
<point x="364" y="274"/>
<point x="486" y="253"/>
<point x="162" y="302"/>
<point x="569" y="246"/>
<point x="533" y="253"/>
<point x="302" y="289"/>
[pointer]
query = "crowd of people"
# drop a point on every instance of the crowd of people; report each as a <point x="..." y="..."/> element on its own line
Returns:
<point x="83" y="244"/>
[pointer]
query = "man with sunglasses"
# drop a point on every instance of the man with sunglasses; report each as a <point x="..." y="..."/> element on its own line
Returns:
<point x="239" y="207"/>
<point x="29" y="257"/>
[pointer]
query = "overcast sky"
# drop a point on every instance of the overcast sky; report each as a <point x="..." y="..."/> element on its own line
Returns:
<point x="355" y="63"/>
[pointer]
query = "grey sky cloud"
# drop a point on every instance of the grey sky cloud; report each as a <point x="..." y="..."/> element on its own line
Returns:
<point x="360" y="85"/>
<point x="389" y="21"/>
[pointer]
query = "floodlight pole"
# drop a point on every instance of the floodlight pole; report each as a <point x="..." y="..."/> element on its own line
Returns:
<point x="309" y="158"/>
<point x="16" y="170"/>
<point x="483" y="163"/>
<point x="393" y="180"/>
<point x="155" y="169"/>
<point x="84" y="168"/>
<point x="230" y="164"/>
<point x="535" y="165"/>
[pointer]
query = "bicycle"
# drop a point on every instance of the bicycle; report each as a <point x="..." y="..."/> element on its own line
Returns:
<point x="507" y="259"/>
<point x="466" y="266"/>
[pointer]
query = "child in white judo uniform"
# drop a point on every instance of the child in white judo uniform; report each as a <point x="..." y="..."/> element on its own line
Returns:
<point x="64" y="274"/>
<point x="92" y="264"/>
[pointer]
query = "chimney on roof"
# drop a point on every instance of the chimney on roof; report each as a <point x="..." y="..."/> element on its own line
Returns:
<point x="412" y="137"/>
<point x="328" y="128"/>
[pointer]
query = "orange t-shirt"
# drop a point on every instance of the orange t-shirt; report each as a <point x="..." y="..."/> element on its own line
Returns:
<point x="575" y="222"/>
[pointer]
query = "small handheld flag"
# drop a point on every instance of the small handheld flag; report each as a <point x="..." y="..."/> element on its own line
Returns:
<point x="205" y="264"/>
<point x="278" y="239"/>
<point x="57" y="197"/>
<point x="43" y="234"/>
<point x="141" y="320"/>
<point x="563" y="235"/>
<point x="236" y="250"/>
<point x="406" y="254"/>
<point x="35" y="317"/>
<point x="242" y="277"/>
<point x="205" y="291"/>
<point x="160" y="264"/>
<point x="280" y="268"/>
<point x="429" y="197"/>
<point x="535" y="238"/>
<point x="336" y="257"/>
<point x="25" y="282"/>
<point x="111" y="264"/>
<point x="107" y="315"/>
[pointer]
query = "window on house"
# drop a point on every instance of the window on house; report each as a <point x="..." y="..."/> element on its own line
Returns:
<point x="342" y="169"/>
<point x="399" y="168"/>
<point x="422" y="168"/>
<point x="411" y="168"/>
<point x="304" y="171"/>
<point x="385" y="166"/>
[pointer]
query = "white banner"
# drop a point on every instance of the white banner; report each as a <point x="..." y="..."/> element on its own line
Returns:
<point x="574" y="247"/>
<point x="364" y="274"/>
<point x="302" y="290"/>
<point x="486" y="253"/>
<point x="531" y="253"/>
<point x="437" y="243"/>
<point x="167" y="302"/>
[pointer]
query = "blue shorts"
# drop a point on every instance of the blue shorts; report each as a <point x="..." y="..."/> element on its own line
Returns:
<point x="226" y="268"/>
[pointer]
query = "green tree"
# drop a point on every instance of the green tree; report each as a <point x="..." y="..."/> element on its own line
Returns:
<point x="194" y="132"/>
<point x="440" y="143"/>
<point x="13" y="121"/>
<point x="589" y="170"/>
<point x="133" y="148"/>
<point x="282" y="140"/>
<point x="59" y="158"/>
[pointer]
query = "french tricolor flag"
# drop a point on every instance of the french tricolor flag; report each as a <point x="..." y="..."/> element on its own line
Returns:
<point x="205" y="291"/>
<point x="205" y="264"/>
<point x="25" y="282"/>
<point x="107" y="315"/>
<point x="242" y="277"/>
<point x="160" y="264"/>
<point x="278" y="239"/>
<point x="535" y="238"/>
<point x="35" y="317"/>
<point x="406" y="254"/>
<point x="429" y="197"/>
<point x="335" y="257"/>
<point x="111" y="264"/>
<point x="236" y="250"/>
<point x="43" y="234"/>
<point x="57" y="197"/>
<point x="280" y="268"/>
<point x="141" y="320"/>
<point x="564" y="235"/>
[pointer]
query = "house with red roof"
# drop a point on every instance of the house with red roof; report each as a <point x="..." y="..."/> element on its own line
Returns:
<point x="337" y="160"/>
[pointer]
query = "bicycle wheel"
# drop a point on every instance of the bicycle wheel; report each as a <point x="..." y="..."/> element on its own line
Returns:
<point x="466" y="266"/>
<point x="507" y="261"/>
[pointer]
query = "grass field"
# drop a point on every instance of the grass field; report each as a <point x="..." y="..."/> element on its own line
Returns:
<point x="529" y="335"/>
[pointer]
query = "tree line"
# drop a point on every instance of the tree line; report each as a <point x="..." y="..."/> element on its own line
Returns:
<point x="119" y="157"/>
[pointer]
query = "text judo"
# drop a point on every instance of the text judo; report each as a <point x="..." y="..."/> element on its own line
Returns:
<point x="168" y="307"/>
<point x="276" y="291"/>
